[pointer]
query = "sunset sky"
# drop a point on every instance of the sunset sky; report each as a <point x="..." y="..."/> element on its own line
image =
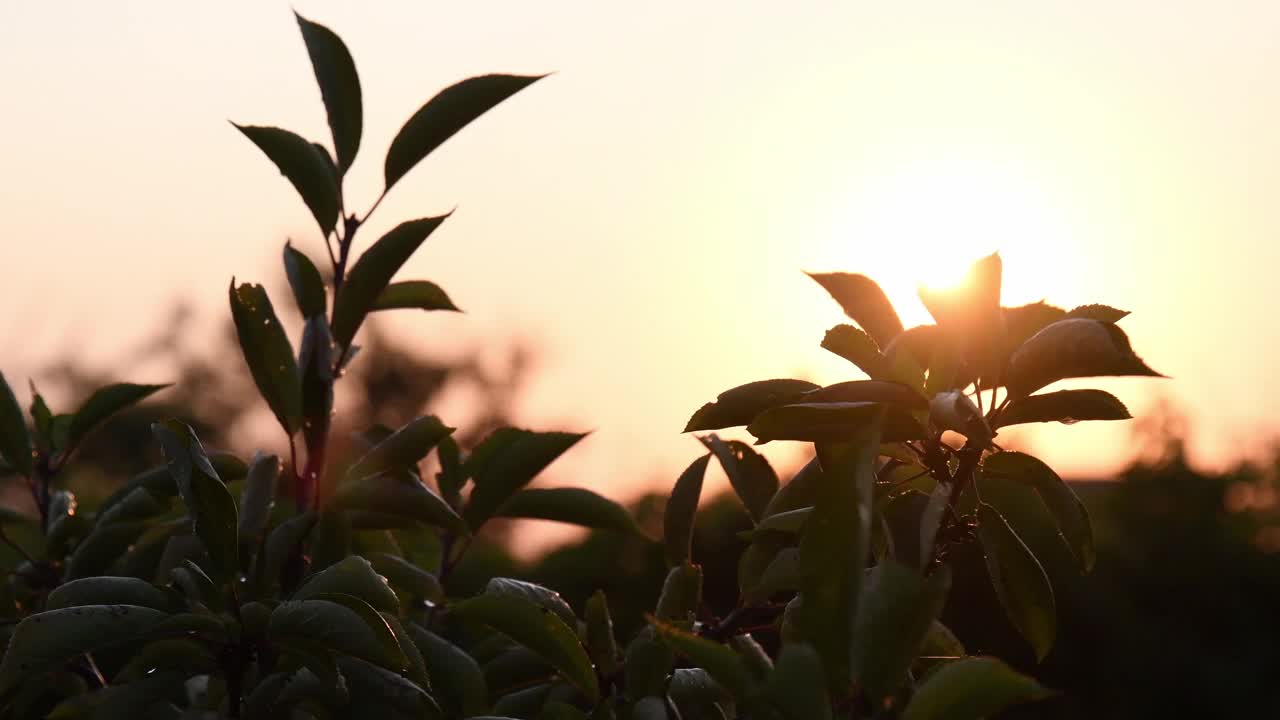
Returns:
<point x="643" y="215"/>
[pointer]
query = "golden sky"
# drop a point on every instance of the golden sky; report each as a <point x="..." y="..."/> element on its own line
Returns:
<point x="644" y="214"/>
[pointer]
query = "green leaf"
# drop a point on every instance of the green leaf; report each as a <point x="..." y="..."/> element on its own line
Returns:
<point x="401" y="494"/>
<point x="971" y="689"/>
<point x="451" y="477"/>
<point x="403" y="449"/>
<point x="830" y="422"/>
<point x="796" y="689"/>
<point x="306" y="165"/>
<point x="339" y="87"/>
<point x="681" y="512"/>
<point x="409" y="577"/>
<point x="720" y="661"/>
<point x="895" y="612"/>
<point x="681" y="595"/>
<point x="790" y="522"/>
<point x="456" y="677"/>
<point x="509" y="465"/>
<point x="305" y="281"/>
<point x="268" y="353"/>
<point x="211" y="507"/>
<point x="1070" y="513"/>
<point x="102" y="404"/>
<point x="15" y="440"/>
<point x="972" y="307"/>
<point x="782" y="573"/>
<point x="283" y="546"/>
<point x="1064" y="406"/>
<point x="380" y="693"/>
<point x="1019" y="580"/>
<point x="94" y="554"/>
<point x="577" y="506"/>
<point x="44" y="641"/>
<point x="1023" y="321"/>
<point x="881" y="391"/>
<point x="315" y="375"/>
<point x="107" y="590"/>
<point x="857" y="347"/>
<point x="351" y="576"/>
<point x="1073" y="348"/>
<point x="864" y="302"/>
<point x="343" y="624"/>
<point x="834" y="548"/>
<point x="740" y="405"/>
<point x="257" y="498"/>
<point x="648" y="663"/>
<point x="445" y="114"/>
<point x="414" y="295"/>
<point x="1101" y="313"/>
<point x="372" y="272"/>
<point x="538" y="629"/>
<point x="650" y="707"/>
<point x="536" y="594"/>
<point x="750" y="475"/>
<point x="602" y="646"/>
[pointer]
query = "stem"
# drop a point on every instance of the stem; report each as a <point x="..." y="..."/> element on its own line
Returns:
<point x="447" y="565"/>
<point x="16" y="547"/>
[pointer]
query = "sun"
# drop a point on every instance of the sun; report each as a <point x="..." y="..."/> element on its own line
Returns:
<point x="928" y="221"/>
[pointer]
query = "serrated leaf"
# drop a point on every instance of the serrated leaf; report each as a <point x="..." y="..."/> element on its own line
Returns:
<point x="740" y="405"/>
<point x="895" y="612"/>
<point x="346" y="625"/>
<point x="864" y="302"/>
<point x="720" y="661"/>
<point x="796" y="688"/>
<point x="369" y="277"/>
<point x="971" y="689"/>
<point x="351" y="576"/>
<point x="305" y="281"/>
<point x="445" y="114"/>
<point x="681" y="512"/>
<point x="414" y="295"/>
<point x="339" y="87"/>
<point x="46" y="640"/>
<point x="856" y="346"/>
<point x="403" y="449"/>
<point x="504" y="471"/>
<point x="538" y="629"/>
<point x="210" y="506"/>
<point x="102" y="404"/>
<point x="750" y="475"/>
<point x="1101" y="313"/>
<point x="830" y="422"/>
<point x="1019" y="580"/>
<point x="1023" y="321"/>
<point x="1064" y="406"/>
<point x="1066" y="508"/>
<point x="1073" y="348"/>
<point x="401" y="494"/>
<point x="880" y="391"/>
<point x="576" y="506"/>
<point x="267" y="352"/>
<point x="107" y="590"/>
<point x="307" y="167"/>
<point x="458" y="681"/>
<point x="15" y="440"/>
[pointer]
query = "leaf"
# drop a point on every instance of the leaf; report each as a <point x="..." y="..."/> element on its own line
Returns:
<point x="398" y="494"/>
<point x="601" y="644"/>
<point x="647" y="664"/>
<point x="457" y="679"/>
<point x="955" y="411"/>
<point x="350" y="627"/>
<point x="782" y="573"/>
<point x="305" y="281"/>
<point x="538" y="629"/>
<point x="577" y="506"/>
<point x="267" y="351"/>
<point x="1064" y="406"/>
<point x="306" y="165"/>
<point x="1072" y="348"/>
<point x="283" y="547"/>
<point x="1101" y="313"/>
<point x="352" y="576"/>
<point x="106" y="590"/>
<point x="339" y="87"/>
<point x="257" y="498"/>
<point x="403" y="449"/>
<point x="1068" y="511"/>
<point x="1023" y="321"/>
<point x="210" y="506"/>
<point x="720" y="661"/>
<point x="740" y="405"/>
<point x="94" y="554"/>
<point x="681" y="512"/>
<point x="372" y="272"/>
<point x="750" y="475"/>
<point x="864" y="302"/>
<point x="791" y="521"/>
<point x="830" y="422"/>
<point x="650" y="707"/>
<point x="971" y="689"/>
<point x="973" y="305"/>
<point x="44" y="641"/>
<point x="409" y="577"/>
<point x="102" y="404"/>
<point x="895" y="612"/>
<point x="413" y="295"/>
<point x="1019" y="580"/>
<point x="834" y="548"/>
<point x="508" y="465"/>
<point x="881" y="391"/>
<point x="796" y="689"/>
<point x="681" y="595"/>
<point x="536" y="594"/>
<point x="857" y="347"/>
<point x="445" y="114"/>
<point x="15" y="441"/>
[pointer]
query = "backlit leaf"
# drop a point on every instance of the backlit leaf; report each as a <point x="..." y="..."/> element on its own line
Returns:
<point x="576" y="506"/>
<point x="523" y="454"/>
<point x="1064" y="406"/>
<point x="306" y="165"/>
<point x="339" y="87"/>
<point x="1068" y="511"/>
<point x="413" y="295"/>
<point x="681" y="510"/>
<point x="267" y="351"/>
<point x="864" y="302"/>
<point x="740" y="405"/>
<point x="971" y="689"/>
<point x="1019" y="580"/>
<point x="1073" y="348"/>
